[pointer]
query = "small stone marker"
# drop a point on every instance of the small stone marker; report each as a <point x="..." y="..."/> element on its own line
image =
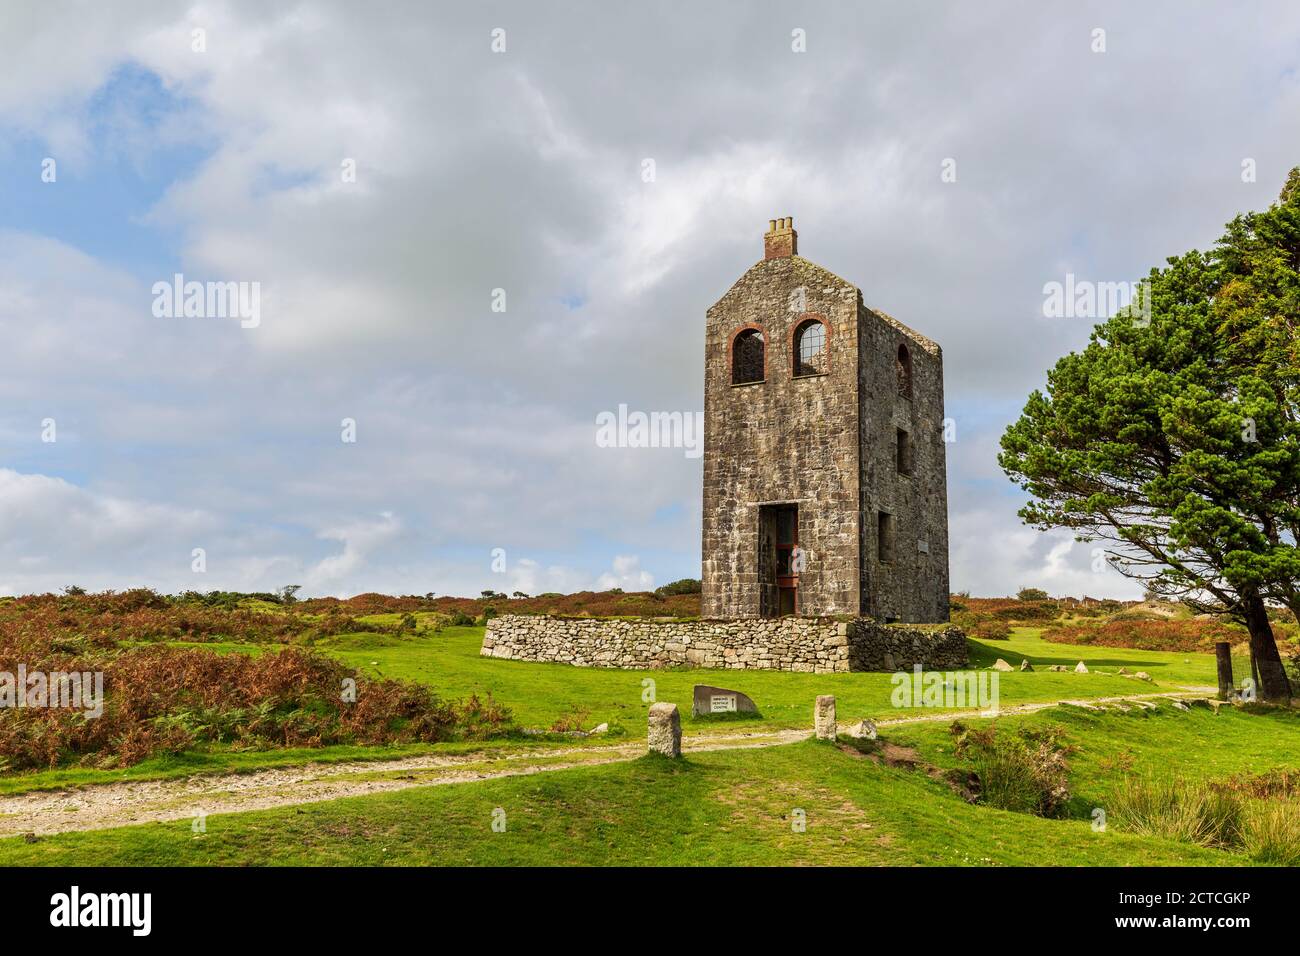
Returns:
<point x="664" y="735"/>
<point x="1059" y="668"/>
<point x="1181" y="706"/>
<point x="1081" y="668"/>
<point x="1122" y="672"/>
<point x="824" y="717"/>
<point x="1142" y="675"/>
<point x="719" y="700"/>
<point x="1001" y="665"/>
<point x="1025" y="665"/>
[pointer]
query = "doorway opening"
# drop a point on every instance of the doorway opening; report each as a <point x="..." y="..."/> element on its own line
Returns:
<point x="779" y="562"/>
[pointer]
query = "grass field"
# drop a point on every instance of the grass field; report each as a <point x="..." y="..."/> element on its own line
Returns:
<point x="727" y="808"/>
<point x="732" y="807"/>
<point x="541" y="694"/>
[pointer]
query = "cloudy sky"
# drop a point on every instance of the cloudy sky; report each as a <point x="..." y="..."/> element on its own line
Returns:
<point x="504" y="147"/>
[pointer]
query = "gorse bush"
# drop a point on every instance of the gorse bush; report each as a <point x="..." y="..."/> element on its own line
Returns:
<point x="1156" y="634"/>
<point x="1026" y="771"/>
<point x="684" y="586"/>
<point x="985" y="629"/>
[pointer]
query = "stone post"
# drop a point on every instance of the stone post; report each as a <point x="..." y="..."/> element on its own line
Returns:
<point x="665" y="731"/>
<point x="1223" y="653"/>
<point x="824" y="717"/>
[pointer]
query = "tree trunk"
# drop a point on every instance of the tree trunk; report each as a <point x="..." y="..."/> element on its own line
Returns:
<point x="1223" y="652"/>
<point x="1273" y="684"/>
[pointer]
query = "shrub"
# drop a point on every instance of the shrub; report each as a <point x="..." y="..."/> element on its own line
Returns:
<point x="1177" y="809"/>
<point x="987" y="629"/>
<point x="1031" y="594"/>
<point x="1025" y="772"/>
<point x="160" y="699"/>
<point x="684" y="586"/>
<point x="1144" y="633"/>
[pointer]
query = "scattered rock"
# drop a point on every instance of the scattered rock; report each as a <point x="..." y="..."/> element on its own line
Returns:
<point x="1081" y="668"/>
<point x="1122" y="672"/>
<point x="1025" y="665"/>
<point x="1001" y="665"/>
<point x="599" y="729"/>
<point x="1199" y="702"/>
<point x="863" y="730"/>
<point x="1181" y="706"/>
<point x="1059" y="668"/>
<point x="1142" y="675"/>
<point x="718" y="700"/>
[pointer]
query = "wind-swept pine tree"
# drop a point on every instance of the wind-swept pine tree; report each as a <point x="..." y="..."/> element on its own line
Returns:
<point x="1174" y="437"/>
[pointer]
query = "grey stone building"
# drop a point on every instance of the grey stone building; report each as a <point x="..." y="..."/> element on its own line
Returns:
<point x="825" y="488"/>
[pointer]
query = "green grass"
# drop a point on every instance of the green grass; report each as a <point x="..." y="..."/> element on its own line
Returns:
<point x="1196" y="744"/>
<point x="730" y="808"/>
<point x="539" y="694"/>
<point x="1173" y="668"/>
<point x="724" y="808"/>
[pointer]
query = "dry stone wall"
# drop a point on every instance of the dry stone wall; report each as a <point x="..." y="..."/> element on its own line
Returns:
<point x="812" y="645"/>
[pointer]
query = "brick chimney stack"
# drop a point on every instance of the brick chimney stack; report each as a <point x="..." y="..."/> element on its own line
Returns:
<point x="780" y="241"/>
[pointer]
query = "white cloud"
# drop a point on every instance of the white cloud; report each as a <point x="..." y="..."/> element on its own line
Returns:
<point x="478" y="171"/>
<point x="626" y="574"/>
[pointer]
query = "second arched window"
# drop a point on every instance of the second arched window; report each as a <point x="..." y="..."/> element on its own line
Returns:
<point x="810" y="348"/>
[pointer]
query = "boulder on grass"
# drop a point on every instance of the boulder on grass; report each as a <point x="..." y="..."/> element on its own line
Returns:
<point x="1001" y="665"/>
<point x="864" y="729"/>
<point x="1081" y="668"/>
<point x="1025" y="665"/>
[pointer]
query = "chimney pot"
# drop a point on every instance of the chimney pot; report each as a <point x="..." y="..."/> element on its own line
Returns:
<point x="781" y="241"/>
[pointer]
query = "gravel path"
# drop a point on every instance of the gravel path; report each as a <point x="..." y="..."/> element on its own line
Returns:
<point x="100" y="806"/>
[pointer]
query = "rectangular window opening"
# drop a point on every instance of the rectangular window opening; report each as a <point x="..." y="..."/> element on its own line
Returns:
<point x="904" y="455"/>
<point x="885" y="537"/>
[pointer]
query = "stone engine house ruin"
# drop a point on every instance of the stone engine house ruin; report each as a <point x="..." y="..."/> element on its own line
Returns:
<point x="825" y="488"/>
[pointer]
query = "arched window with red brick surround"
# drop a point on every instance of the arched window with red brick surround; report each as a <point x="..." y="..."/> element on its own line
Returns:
<point x="748" y="356"/>
<point x="809" y="348"/>
<point x="903" y="369"/>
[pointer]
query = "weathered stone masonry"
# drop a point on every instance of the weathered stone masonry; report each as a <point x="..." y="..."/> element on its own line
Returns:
<point x="814" y="645"/>
<point x="826" y="445"/>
